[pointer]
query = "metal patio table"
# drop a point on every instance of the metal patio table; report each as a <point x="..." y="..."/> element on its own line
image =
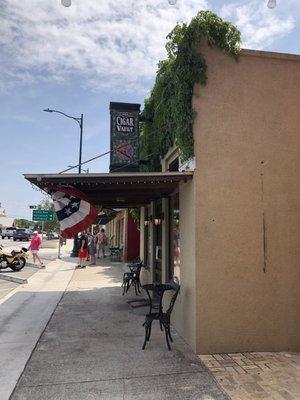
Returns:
<point x="158" y="290"/>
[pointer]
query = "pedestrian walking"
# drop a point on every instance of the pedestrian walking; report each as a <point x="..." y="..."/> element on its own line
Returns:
<point x="101" y="240"/>
<point x="92" y="248"/>
<point x="83" y="250"/>
<point x="34" y="247"/>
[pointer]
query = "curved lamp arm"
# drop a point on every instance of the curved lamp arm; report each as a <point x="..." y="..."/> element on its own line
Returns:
<point x="79" y="120"/>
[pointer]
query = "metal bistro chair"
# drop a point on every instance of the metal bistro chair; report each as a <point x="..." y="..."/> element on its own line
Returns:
<point x="132" y="278"/>
<point x="164" y="318"/>
<point x="115" y="253"/>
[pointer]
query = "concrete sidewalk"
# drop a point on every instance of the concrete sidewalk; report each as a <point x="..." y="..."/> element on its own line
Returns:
<point x="7" y="276"/>
<point x="91" y="349"/>
<point x="24" y="313"/>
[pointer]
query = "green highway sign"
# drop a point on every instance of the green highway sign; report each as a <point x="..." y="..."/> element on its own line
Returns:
<point x="42" y="215"/>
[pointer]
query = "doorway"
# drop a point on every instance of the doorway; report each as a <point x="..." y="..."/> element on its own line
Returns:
<point x="158" y="242"/>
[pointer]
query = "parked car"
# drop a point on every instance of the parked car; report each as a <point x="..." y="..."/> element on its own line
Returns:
<point x="7" y="232"/>
<point x="52" y="235"/>
<point x="22" y="234"/>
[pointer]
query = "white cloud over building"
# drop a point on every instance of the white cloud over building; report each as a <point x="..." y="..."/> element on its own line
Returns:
<point x="117" y="43"/>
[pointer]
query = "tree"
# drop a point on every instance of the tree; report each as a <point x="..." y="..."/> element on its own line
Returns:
<point x="47" y="204"/>
<point x="24" y="223"/>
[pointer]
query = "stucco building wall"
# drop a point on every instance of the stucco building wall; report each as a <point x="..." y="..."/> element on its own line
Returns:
<point x="184" y="314"/>
<point x="247" y="203"/>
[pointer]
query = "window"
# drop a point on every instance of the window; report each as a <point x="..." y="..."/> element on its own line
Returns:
<point x="147" y="238"/>
<point x="118" y="233"/>
<point x="158" y="256"/>
<point x="121" y="233"/>
<point x="174" y="165"/>
<point x="174" y="237"/>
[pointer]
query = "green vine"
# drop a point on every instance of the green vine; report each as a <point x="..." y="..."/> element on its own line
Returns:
<point x="135" y="213"/>
<point x="168" y="115"/>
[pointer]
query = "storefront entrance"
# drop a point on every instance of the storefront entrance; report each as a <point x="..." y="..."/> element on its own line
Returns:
<point x="174" y="237"/>
<point x="158" y="242"/>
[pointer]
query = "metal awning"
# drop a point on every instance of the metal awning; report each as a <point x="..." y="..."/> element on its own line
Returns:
<point x="116" y="190"/>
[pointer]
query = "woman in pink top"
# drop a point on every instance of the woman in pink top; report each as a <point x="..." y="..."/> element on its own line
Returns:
<point x="34" y="248"/>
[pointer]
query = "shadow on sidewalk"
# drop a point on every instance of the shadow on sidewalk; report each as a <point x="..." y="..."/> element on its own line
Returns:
<point x="92" y="349"/>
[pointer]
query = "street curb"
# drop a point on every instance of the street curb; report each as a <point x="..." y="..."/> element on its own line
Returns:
<point x="32" y="266"/>
<point x="35" y="304"/>
<point x="12" y="279"/>
<point x="23" y="281"/>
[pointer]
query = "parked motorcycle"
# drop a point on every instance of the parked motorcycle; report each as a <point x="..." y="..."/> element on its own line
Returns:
<point x="16" y="260"/>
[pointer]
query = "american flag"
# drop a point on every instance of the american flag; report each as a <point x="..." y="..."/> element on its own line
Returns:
<point x="74" y="212"/>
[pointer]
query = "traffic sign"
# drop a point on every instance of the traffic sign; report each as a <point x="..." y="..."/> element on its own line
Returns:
<point x="42" y="215"/>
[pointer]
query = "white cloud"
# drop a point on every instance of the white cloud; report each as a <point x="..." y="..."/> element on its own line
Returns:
<point x="259" y="25"/>
<point x="109" y="43"/>
<point x="105" y="41"/>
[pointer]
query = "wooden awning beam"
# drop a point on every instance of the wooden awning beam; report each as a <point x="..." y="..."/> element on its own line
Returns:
<point x="112" y="190"/>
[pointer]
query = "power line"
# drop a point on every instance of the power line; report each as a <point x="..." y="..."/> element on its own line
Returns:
<point x="85" y="162"/>
<point x="133" y="162"/>
<point x="95" y="158"/>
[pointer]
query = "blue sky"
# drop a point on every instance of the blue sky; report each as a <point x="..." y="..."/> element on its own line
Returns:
<point x="78" y="59"/>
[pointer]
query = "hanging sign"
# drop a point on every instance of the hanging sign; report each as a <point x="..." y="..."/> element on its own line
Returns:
<point x="124" y="137"/>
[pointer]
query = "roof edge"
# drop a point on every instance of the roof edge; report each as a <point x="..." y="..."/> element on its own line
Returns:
<point x="112" y="175"/>
<point x="270" y="54"/>
<point x="115" y="105"/>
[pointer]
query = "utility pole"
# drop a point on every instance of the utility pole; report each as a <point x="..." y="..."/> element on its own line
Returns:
<point x="80" y="123"/>
<point x="80" y="144"/>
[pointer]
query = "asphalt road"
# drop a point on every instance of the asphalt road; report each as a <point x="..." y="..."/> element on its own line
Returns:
<point x="47" y="256"/>
<point x="9" y="243"/>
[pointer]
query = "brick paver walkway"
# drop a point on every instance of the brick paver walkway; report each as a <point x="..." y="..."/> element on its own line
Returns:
<point x="249" y="376"/>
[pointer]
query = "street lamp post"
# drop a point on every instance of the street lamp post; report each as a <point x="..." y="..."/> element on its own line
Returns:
<point x="80" y="144"/>
<point x="80" y="123"/>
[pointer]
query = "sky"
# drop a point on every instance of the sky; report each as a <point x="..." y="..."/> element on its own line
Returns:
<point x="80" y="58"/>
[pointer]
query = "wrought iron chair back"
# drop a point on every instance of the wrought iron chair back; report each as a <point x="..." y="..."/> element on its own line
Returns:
<point x="132" y="277"/>
<point x="173" y="300"/>
<point x="164" y="318"/>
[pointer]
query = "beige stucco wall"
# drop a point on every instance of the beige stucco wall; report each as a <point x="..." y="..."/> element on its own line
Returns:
<point x="184" y="314"/>
<point x="247" y="203"/>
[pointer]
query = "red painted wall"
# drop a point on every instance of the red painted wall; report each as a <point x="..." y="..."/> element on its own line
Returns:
<point x="132" y="250"/>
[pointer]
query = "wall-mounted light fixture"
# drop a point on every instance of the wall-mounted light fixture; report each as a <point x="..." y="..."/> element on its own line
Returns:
<point x="176" y="218"/>
<point x="158" y="219"/>
<point x="147" y="220"/>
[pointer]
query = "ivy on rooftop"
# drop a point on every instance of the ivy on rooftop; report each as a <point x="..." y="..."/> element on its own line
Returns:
<point x="168" y="115"/>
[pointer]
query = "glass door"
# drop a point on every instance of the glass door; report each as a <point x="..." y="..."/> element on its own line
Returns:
<point x="158" y="242"/>
<point x="174" y="265"/>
